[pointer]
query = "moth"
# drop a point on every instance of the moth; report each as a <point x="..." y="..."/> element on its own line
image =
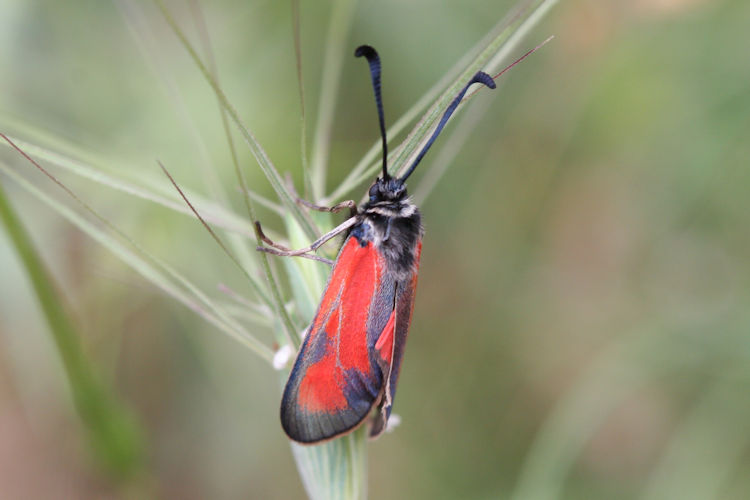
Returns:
<point x="348" y="365"/>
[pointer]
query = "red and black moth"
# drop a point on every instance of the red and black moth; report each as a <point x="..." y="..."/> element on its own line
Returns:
<point x="348" y="365"/>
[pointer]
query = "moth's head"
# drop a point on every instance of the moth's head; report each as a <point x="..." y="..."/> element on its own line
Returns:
<point x="387" y="189"/>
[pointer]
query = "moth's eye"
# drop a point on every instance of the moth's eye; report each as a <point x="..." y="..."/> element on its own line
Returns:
<point x="374" y="192"/>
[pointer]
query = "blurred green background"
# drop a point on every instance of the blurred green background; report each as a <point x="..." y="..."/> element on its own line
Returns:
<point x="582" y="327"/>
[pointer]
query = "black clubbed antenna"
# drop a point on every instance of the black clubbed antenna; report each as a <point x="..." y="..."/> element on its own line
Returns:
<point x="374" y="60"/>
<point x="480" y="77"/>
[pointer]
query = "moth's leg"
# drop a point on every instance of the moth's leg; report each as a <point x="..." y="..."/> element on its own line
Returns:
<point x="276" y="249"/>
<point x="388" y="229"/>
<point x="350" y="204"/>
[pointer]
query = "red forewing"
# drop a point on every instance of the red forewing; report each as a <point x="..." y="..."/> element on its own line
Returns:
<point x="341" y="372"/>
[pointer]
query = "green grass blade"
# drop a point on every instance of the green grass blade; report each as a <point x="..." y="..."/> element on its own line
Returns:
<point x="149" y="48"/>
<point x="213" y="213"/>
<point x="296" y="31"/>
<point x="448" y="152"/>
<point x="266" y="166"/>
<point x="338" y="31"/>
<point x="336" y="470"/>
<point x="144" y="39"/>
<point x="148" y="266"/>
<point x="277" y="301"/>
<point x="243" y="313"/>
<point x="491" y="52"/>
<point x="307" y="277"/>
<point x="114" y="434"/>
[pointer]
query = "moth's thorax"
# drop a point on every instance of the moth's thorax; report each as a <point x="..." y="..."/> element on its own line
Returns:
<point x="395" y="228"/>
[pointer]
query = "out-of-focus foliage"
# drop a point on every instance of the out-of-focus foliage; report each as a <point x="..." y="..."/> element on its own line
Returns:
<point x="581" y="327"/>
